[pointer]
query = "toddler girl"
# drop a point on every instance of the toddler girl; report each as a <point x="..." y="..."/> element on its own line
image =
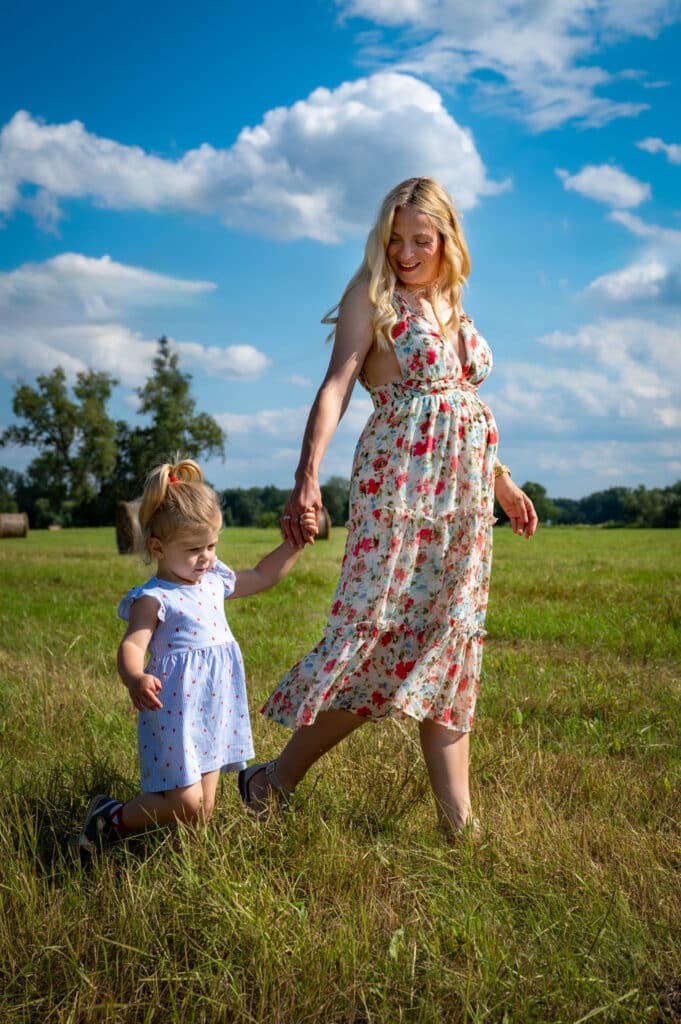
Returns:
<point x="191" y="695"/>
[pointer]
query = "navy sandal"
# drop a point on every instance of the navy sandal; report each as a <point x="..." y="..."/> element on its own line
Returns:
<point x="280" y="794"/>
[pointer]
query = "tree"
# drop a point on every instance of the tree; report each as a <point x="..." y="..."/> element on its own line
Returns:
<point x="74" y="436"/>
<point x="655" y="507"/>
<point x="9" y="481"/>
<point x="175" y="425"/>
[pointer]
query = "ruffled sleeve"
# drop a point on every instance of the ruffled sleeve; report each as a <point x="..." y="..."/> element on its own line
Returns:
<point x="227" y="575"/>
<point x="144" y="591"/>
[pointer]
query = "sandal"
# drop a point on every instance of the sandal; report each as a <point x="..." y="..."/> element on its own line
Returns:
<point x="281" y="795"/>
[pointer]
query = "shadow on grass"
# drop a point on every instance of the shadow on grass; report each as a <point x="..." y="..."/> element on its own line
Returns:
<point x="42" y="818"/>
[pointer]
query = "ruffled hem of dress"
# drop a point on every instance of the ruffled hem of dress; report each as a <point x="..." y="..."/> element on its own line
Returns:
<point x="421" y="692"/>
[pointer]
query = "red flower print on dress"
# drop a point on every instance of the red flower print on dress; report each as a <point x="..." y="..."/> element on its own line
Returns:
<point x="403" y="668"/>
<point x="423" y="447"/>
<point x="378" y="698"/>
<point x="399" y="329"/>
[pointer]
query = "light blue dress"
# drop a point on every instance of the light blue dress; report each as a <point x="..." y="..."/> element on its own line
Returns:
<point x="204" y="723"/>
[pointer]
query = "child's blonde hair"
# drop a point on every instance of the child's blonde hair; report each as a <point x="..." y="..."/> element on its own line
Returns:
<point x="429" y="197"/>
<point x="176" y="500"/>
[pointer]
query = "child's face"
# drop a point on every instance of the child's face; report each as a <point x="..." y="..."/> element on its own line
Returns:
<point x="186" y="557"/>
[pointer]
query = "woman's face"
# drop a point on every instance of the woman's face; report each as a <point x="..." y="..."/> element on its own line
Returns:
<point x="414" y="247"/>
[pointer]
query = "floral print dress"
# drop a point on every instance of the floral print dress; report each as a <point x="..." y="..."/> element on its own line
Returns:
<point x="406" y="628"/>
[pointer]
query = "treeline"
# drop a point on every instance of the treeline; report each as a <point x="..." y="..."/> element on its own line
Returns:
<point x="616" y="506"/>
<point x="262" y="506"/>
<point x="88" y="462"/>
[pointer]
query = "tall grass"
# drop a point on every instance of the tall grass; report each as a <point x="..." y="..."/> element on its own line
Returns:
<point x="350" y="910"/>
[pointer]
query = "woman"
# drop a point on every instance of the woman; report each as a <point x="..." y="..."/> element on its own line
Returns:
<point x="405" y="632"/>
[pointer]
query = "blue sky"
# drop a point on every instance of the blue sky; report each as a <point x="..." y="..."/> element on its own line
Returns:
<point x="211" y="174"/>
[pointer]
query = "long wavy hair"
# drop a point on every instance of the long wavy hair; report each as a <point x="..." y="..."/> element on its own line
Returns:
<point x="429" y="197"/>
<point x="176" y="500"/>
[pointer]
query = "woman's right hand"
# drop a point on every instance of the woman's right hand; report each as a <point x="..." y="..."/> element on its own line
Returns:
<point x="305" y="495"/>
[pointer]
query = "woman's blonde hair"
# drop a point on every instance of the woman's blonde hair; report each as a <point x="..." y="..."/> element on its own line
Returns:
<point x="429" y="197"/>
<point x="176" y="500"/>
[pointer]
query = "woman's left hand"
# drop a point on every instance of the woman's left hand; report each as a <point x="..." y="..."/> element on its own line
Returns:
<point x="516" y="505"/>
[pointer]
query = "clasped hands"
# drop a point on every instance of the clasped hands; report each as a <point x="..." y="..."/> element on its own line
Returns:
<point x="299" y="528"/>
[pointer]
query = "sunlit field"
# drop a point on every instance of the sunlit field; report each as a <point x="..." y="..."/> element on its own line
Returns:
<point x="350" y="909"/>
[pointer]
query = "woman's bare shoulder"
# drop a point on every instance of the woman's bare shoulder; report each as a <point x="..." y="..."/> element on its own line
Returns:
<point x="356" y="300"/>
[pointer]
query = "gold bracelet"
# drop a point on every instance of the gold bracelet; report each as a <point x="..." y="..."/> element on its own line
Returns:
<point x="500" y="469"/>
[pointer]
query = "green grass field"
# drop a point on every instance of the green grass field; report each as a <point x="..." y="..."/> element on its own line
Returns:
<point x="351" y="910"/>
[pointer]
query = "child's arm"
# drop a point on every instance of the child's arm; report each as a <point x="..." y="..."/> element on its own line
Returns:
<point x="274" y="566"/>
<point x="142" y="687"/>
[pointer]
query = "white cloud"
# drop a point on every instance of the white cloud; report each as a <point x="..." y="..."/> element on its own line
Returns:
<point x="643" y="280"/>
<point x="631" y="371"/>
<point x="571" y="468"/>
<point x="67" y="311"/>
<point x="236" y="362"/>
<point x="300" y="382"/>
<point x="286" y="425"/>
<point x="100" y="287"/>
<point x="540" y="54"/>
<point x="671" y="150"/>
<point x="606" y="184"/>
<point x="316" y="169"/>
<point x="652" y="232"/>
<point x="611" y="381"/>
<point x="264" y="445"/>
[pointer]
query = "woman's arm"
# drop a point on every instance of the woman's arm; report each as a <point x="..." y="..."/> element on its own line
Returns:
<point x="354" y="337"/>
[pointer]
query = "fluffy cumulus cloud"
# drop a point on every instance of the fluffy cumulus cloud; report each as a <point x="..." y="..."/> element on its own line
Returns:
<point x="607" y="184"/>
<point x="542" y="56"/>
<point x="316" y="169"/>
<point x="68" y="310"/>
<point x="611" y="383"/>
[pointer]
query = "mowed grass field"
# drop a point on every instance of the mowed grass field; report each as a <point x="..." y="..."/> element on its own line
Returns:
<point x="351" y="910"/>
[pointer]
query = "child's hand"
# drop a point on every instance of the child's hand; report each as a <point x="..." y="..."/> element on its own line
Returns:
<point x="143" y="690"/>
<point x="309" y="525"/>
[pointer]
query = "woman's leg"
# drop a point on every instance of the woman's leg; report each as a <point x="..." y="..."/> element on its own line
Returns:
<point x="307" y="744"/>
<point x="445" y="752"/>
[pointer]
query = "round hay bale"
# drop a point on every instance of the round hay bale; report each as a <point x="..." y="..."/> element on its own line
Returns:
<point x="13" y="524"/>
<point x="323" y="524"/>
<point x="128" y="530"/>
